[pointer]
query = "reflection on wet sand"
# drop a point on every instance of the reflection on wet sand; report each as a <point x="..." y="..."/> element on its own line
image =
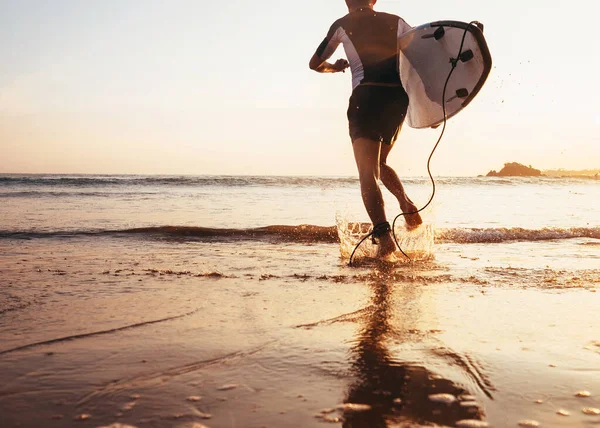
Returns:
<point x="399" y="391"/>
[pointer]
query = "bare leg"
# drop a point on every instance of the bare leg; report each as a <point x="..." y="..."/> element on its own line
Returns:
<point x="392" y="182"/>
<point x="366" y="154"/>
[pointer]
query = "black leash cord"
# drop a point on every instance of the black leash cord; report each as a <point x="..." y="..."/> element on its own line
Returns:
<point x="453" y="61"/>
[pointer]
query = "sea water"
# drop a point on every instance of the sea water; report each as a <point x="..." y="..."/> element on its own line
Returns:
<point x="228" y="301"/>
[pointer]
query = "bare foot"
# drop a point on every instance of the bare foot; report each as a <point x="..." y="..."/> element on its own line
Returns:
<point x="386" y="246"/>
<point x="412" y="220"/>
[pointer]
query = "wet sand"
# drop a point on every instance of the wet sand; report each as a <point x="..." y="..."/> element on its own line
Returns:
<point x="179" y="333"/>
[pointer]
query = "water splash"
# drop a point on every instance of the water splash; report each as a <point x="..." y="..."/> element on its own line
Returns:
<point x="418" y="243"/>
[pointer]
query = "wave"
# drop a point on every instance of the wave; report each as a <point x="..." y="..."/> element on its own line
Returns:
<point x="493" y="235"/>
<point x="118" y="181"/>
<point x="75" y="193"/>
<point x="176" y="181"/>
<point x="312" y="234"/>
<point x="301" y="233"/>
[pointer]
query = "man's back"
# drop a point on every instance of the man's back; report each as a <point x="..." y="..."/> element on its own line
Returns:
<point x="377" y="106"/>
<point x="370" y="40"/>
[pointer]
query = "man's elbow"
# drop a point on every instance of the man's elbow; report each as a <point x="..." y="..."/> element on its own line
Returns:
<point x="315" y="63"/>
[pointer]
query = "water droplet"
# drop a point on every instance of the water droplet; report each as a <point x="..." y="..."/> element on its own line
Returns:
<point x="583" y="394"/>
<point x="204" y="415"/>
<point x="117" y="425"/>
<point x="397" y="401"/>
<point x="227" y="387"/>
<point x="194" y="398"/>
<point x="563" y="412"/>
<point x="82" y="417"/>
<point x="529" y="423"/>
<point x="128" y="406"/>
<point x="354" y="407"/>
<point x="591" y="411"/>
<point x="442" y="398"/>
<point x="472" y="423"/>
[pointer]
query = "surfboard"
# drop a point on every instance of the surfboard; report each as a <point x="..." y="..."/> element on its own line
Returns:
<point x="426" y="54"/>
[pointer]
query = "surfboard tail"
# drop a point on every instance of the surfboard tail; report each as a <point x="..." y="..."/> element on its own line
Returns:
<point x="427" y="55"/>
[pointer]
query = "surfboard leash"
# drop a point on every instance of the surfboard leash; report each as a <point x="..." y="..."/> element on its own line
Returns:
<point x="454" y="62"/>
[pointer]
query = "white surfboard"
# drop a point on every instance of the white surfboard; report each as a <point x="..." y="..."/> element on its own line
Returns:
<point x="425" y="59"/>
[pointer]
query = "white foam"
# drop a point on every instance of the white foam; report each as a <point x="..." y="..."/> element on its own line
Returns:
<point x="418" y="243"/>
<point x="502" y="234"/>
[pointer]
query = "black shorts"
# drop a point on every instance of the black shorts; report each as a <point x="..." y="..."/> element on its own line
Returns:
<point x="377" y="112"/>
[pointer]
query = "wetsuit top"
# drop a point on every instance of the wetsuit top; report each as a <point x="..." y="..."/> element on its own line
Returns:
<point x="370" y="40"/>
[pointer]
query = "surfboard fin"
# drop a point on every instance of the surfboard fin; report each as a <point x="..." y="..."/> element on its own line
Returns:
<point x="466" y="55"/>
<point x="460" y="93"/>
<point x="437" y="34"/>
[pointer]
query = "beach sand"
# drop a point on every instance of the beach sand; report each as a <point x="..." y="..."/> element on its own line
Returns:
<point x="177" y="332"/>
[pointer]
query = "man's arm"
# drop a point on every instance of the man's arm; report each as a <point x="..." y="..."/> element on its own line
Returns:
<point x="322" y="66"/>
<point x="318" y="62"/>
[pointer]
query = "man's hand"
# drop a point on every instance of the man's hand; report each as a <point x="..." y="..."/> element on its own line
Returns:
<point x="322" y="66"/>
<point x="341" y="65"/>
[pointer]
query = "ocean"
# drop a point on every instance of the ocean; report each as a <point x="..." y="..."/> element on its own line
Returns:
<point x="227" y="301"/>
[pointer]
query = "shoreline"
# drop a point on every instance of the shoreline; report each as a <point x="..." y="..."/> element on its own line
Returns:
<point x="255" y="334"/>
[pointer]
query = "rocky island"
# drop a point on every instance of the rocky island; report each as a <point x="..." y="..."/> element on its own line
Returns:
<point x="514" y="169"/>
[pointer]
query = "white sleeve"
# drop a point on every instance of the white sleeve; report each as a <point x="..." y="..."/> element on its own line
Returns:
<point x="331" y="42"/>
<point x="403" y="27"/>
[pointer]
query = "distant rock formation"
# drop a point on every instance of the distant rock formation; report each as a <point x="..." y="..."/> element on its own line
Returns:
<point x="514" y="169"/>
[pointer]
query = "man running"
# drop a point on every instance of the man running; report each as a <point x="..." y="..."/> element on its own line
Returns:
<point x="377" y="106"/>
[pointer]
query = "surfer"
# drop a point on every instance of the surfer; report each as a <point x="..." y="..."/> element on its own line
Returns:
<point x="377" y="106"/>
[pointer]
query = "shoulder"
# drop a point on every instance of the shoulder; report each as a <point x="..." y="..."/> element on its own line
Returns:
<point x="339" y="23"/>
<point x="403" y="26"/>
<point x="393" y="18"/>
<point x="388" y="15"/>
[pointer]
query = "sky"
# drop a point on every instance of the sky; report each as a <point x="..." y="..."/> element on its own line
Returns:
<point x="197" y="87"/>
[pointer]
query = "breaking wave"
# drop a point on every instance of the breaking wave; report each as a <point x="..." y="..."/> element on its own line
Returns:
<point x="492" y="235"/>
<point x="39" y="182"/>
<point x="313" y="234"/>
<point x="50" y="182"/>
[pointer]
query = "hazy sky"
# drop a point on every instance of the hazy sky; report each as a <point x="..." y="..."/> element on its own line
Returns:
<point x="223" y="87"/>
